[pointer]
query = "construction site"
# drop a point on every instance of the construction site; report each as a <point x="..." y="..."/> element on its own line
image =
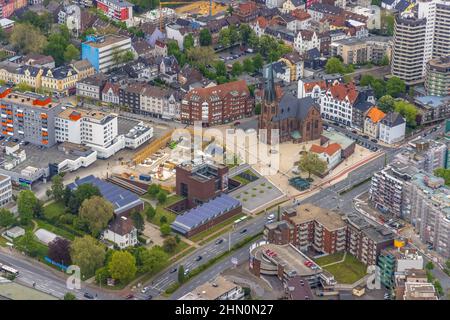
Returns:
<point x="200" y="8"/>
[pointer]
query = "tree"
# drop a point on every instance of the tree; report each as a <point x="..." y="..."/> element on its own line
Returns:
<point x="6" y="218"/>
<point x="26" y="205"/>
<point x="395" y="86"/>
<point x="438" y="287"/>
<point x="334" y="65"/>
<point x="245" y="32"/>
<point x="237" y="69"/>
<point x="445" y="174"/>
<point x="188" y="42"/>
<point x="379" y="87"/>
<point x="162" y="197"/>
<point x="385" y="61"/>
<point x="386" y="103"/>
<point x="205" y="37"/>
<point x="70" y="296"/>
<point x="150" y="212"/>
<point x="57" y="44"/>
<point x="201" y="56"/>
<point x="87" y="254"/>
<point x="153" y="189"/>
<point x="181" y="275"/>
<point x="122" y="266"/>
<point x="258" y="62"/>
<point x="429" y="265"/>
<point x="28" y="244"/>
<point x="27" y="38"/>
<point x="165" y="229"/>
<point x="151" y="260"/>
<point x="366" y="80"/>
<point x="163" y="220"/>
<point x="57" y="187"/>
<point x="96" y="212"/>
<point x="248" y="65"/>
<point x="221" y="69"/>
<point x="102" y="275"/>
<point x="311" y="163"/>
<point x="23" y="87"/>
<point x="170" y="244"/>
<point x="59" y="251"/>
<point x="138" y="220"/>
<point x="71" y="53"/>
<point x="258" y="108"/>
<point x="407" y="110"/>
<point x="83" y="192"/>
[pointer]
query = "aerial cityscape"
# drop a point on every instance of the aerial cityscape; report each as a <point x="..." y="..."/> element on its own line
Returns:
<point x="225" y="150"/>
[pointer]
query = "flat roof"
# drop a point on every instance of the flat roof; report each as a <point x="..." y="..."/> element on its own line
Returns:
<point x="210" y="290"/>
<point x="286" y="255"/>
<point x="330" y="219"/>
<point x="97" y="115"/>
<point x="28" y="98"/>
<point x="122" y="199"/>
<point x="107" y="40"/>
<point x="339" y="138"/>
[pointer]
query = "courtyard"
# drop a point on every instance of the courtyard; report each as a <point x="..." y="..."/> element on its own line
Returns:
<point x="345" y="268"/>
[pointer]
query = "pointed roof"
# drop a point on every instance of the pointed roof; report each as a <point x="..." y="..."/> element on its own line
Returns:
<point x="269" y="85"/>
<point x="375" y="114"/>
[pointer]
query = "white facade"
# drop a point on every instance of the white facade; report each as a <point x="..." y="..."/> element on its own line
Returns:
<point x="335" y="110"/>
<point x="274" y="3"/>
<point x="125" y="240"/>
<point x="109" y="96"/>
<point x="80" y="162"/>
<point x="392" y="135"/>
<point x="138" y="136"/>
<point x="173" y="32"/>
<point x="93" y="128"/>
<point x="373" y="14"/>
<point x="303" y="44"/>
<point x="106" y="53"/>
<point x="160" y="106"/>
<point x="5" y="189"/>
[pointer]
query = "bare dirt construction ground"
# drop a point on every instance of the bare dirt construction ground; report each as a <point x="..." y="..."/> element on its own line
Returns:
<point x="261" y="288"/>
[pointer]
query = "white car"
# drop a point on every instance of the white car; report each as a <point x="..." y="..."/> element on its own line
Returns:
<point x="271" y="217"/>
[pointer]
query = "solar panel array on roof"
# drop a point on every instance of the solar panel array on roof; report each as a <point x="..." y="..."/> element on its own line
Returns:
<point x="121" y="198"/>
<point x="204" y="213"/>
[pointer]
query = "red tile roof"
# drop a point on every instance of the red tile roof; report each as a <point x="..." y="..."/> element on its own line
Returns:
<point x="300" y="14"/>
<point x="331" y="149"/>
<point x="262" y="22"/>
<point x="220" y="90"/>
<point x="342" y="90"/>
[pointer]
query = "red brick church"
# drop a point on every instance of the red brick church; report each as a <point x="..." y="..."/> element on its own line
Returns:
<point x="298" y="120"/>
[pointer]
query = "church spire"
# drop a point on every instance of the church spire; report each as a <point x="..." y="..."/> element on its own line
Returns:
<point x="269" y="85"/>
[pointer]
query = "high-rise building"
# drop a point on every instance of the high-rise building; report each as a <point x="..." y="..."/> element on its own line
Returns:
<point x="408" y="49"/>
<point x="437" y="78"/>
<point x="419" y="36"/>
<point x="5" y="189"/>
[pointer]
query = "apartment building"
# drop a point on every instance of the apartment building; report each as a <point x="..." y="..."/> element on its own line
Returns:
<point x="322" y="229"/>
<point x="361" y="50"/>
<point x="413" y="285"/>
<point x="408" y="49"/>
<point x="437" y="77"/>
<point x="337" y="103"/>
<point x="217" y="105"/>
<point x="424" y="154"/>
<point x="429" y="199"/>
<point x="387" y="190"/>
<point x="92" y="128"/>
<point x="392" y="128"/>
<point x="91" y="87"/>
<point x="28" y="116"/>
<point x="365" y="241"/>
<point x="372" y="121"/>
<point x="102" y="51"/>
<point x="118" y="10"/>
<point x="159" y="103"/>
<point x="5" y="189"/>
<point x="59" y="80"/>
<point x="306" y="40"/>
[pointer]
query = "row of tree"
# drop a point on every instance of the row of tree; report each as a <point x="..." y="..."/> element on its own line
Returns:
<point x="394" y="86"/>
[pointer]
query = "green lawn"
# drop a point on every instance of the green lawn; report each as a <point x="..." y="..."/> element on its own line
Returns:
<point x="330" y="258"/>
<point x="161" y="211"/>
<point x="203" y="236"/>
<point x="349" y="271"/>
<point x="241" y="180"/>
<point x="56" y="230"/>
<point x="180" y="247"/>
<point x="54" y="209"/>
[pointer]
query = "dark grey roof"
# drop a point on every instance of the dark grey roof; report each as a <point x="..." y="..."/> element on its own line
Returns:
<point x="279" y="66"/>
<point x="269" y="85"/>
<point x="313" y="53"/>
<point x="292" y="107"/>
<point x="402" y="5"/>
<point x="298" y="2"/>
<point x="393" y="119"/>
<point x="389" y="2"/>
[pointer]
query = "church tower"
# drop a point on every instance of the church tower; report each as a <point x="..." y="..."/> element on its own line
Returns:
<point x="269" y="106"/>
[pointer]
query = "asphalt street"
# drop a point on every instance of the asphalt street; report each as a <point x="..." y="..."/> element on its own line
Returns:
<point x="46" y="280"/>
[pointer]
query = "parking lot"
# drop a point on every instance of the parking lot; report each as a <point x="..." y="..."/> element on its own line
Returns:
<point x="362" y="140"/>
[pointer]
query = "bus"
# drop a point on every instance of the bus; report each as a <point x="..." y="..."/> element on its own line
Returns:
<point x="9" y="270"/>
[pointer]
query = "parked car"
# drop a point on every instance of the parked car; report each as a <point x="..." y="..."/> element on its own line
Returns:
<point x="145" y="289"/>
<point x="374" y="140"/>
<point x="186" y="272"/>
<point x="271" y="216"/>
<point x="87" y="295"/>
<point x="365" y="136"/>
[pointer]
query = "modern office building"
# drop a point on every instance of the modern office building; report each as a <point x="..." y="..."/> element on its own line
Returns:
<point x="102" y="51"/>
<point x="28" y="116"/>
<point x="437" y="77"/>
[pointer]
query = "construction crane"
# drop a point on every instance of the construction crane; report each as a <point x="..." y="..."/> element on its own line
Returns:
<point x="161" y="4"/>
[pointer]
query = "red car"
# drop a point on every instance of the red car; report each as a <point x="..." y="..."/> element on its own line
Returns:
<point x="129" y="296"/>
